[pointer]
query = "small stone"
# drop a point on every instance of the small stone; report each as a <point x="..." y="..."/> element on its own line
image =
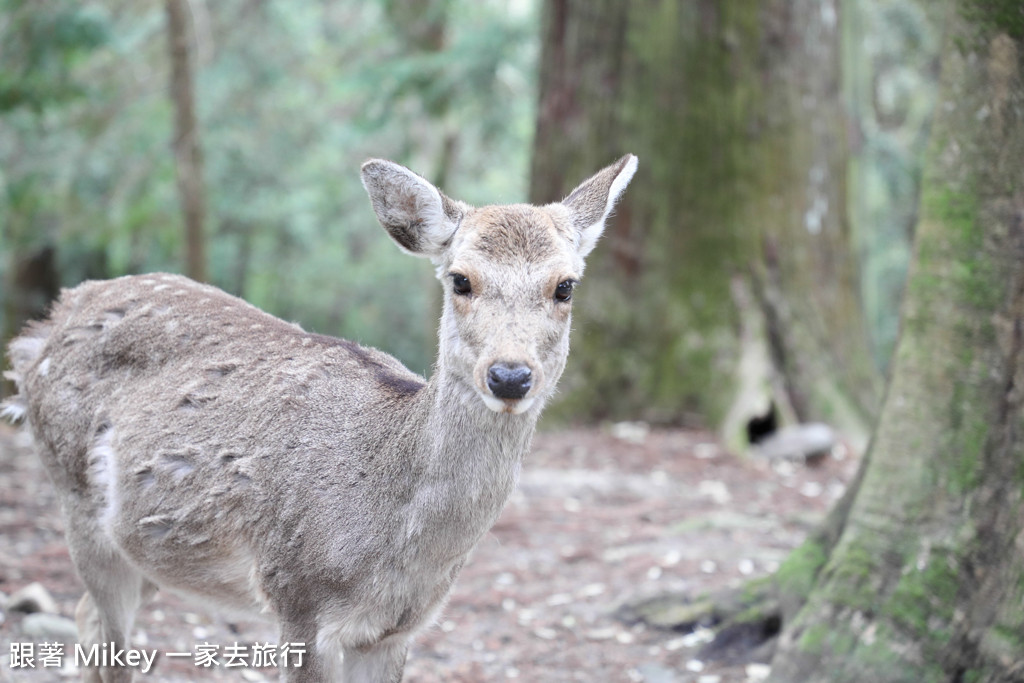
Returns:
<point x="758" y="672"/>
<point x="32" y="598"/>
<point x="601" y="633"/>
<point x="811" y="489"/>
<point x="545" y="633"/>
<point x="717" y="491"/>
<point x="42" y="627"/>
<point x="559" y="599"/>
<point x="705" y="451"/>
<point x="631" y="432"/>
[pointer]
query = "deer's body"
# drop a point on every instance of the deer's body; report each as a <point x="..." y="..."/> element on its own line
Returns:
<point x="202" y="445"/>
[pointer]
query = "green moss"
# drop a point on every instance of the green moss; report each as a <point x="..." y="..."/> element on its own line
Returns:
<point x="812" y="640"/>
<point x="972" y="676"/>
<point x="996" y="16"/>
<point x="924" y="598"/>
<point x="797" y="575"/>
<point x="850" y="580"/>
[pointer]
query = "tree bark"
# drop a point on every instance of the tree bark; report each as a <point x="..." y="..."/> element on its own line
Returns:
<point x="926" y="581"/>
<point x="731" y="248"/>
<point x="187" y="151"/>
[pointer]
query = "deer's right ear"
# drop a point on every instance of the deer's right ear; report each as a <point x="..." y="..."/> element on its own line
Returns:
<point x="592" y="202"/>
<point x="419" y="218"/>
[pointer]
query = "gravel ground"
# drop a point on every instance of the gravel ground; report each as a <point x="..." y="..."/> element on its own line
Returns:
<point x="602" y="516"/>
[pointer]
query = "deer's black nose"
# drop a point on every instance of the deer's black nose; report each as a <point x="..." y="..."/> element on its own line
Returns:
<point x="509" y="380"/>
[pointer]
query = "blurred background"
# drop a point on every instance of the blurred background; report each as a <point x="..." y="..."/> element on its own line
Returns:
<point x="755" y="267"/>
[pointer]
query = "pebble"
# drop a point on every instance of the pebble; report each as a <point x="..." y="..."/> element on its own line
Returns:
<point x="631" y="432"/>
<point x="758" y="672"/>
<point x="32" y="598"/>
<point x="602" y="633"/>
<point x="559" y="599"/>
<point x="42" y="626"/>
<point x="717" y="491"/>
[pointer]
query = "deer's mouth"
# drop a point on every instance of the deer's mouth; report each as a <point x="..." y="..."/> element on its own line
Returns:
<point x="515" y="406"/>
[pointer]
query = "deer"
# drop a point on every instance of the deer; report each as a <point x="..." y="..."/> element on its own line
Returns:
<point x="203" y="446"/>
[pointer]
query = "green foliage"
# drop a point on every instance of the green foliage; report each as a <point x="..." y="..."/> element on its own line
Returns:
<point x="41" y="44"/>
<point x="291" y="98"/>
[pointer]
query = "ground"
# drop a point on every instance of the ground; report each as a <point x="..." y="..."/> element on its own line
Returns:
<point x="602" y="517"/>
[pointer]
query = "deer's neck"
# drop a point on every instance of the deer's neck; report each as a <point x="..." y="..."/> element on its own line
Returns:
<point x="471" y="458"/>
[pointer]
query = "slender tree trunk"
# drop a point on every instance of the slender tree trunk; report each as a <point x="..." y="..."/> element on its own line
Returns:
<point x="732" y="244"/>
<point x="187" y="151"/>
<point x="926" y="582"/>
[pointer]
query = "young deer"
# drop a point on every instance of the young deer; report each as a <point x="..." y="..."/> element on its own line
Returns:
<point x="204" y="446"/>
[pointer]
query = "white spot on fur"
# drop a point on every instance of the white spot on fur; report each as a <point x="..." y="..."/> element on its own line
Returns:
<point x="148" y="282"/>
<point x="179" y="468"/>
<point x="24" y="350"/>
<point x="44" y="367"/>
<point x="161" y="287"/>
<point x="102" y="474"/>
<point x="13" y="410"/>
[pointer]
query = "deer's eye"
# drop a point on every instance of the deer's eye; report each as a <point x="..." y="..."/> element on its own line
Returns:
<point x="460" y="285"/>
<point x="563" y="292"/>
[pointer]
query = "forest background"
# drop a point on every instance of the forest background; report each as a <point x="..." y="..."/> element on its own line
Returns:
<point x="803" y="164"/>
<point x="289" y="98"/>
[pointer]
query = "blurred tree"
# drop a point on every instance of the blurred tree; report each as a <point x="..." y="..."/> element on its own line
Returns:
<point x="924" y="579"/>
<point x="188" y="157"/>
<point x="290" y="99"/>
<point x="728" y="278"/>
<point x="40" y="45"/>
<point x="890" y="66"/>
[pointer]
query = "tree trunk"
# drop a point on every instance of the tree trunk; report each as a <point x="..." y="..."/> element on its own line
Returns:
<point x="732" y="247"/>
<point x="187" y="152"/>
<point x="926" y="582"/>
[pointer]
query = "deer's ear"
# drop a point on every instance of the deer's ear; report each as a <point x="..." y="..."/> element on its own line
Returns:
<point x="592" y="202"/>
<point x="419" y="218"/>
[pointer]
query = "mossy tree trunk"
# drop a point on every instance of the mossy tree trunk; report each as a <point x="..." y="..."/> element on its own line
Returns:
<point x="731" y="248"/>
<point x="926" y="581"/>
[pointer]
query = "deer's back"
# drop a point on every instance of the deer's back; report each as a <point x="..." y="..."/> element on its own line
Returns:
<point x="186" y="420"/>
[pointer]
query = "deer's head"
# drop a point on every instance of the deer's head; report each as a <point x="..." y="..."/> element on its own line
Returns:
<point x="508" y="274"/>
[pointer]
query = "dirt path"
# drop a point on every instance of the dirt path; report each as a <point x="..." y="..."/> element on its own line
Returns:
<point x="601" y="516"/>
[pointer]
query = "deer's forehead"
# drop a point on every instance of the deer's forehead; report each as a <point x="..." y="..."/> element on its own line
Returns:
<point x="515" y="234"/>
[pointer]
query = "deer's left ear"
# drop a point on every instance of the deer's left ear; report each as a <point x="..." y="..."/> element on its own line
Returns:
<point x="592" y="202"/>
<point x="419" y="218"/>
